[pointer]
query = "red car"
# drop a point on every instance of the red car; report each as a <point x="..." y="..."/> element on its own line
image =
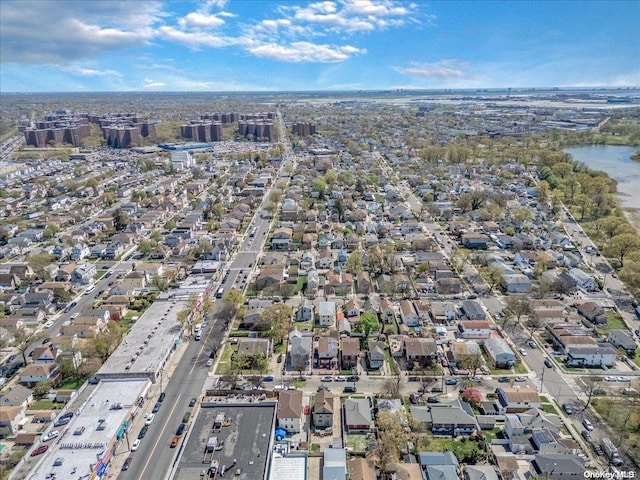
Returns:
<point x="40" y="450"/>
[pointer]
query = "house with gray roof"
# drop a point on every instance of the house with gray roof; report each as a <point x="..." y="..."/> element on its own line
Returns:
<point x="499" y="352"/>
<point x="335" y="464"/>
<point x="480" y="472"/>
<point x="357" y="415"/>
<point x="300" y="349"/>
<point x="557" y="466"/>
<point x="439" y="465"/>
<point x="450" y="420"/>
<point x="623" y="339"/>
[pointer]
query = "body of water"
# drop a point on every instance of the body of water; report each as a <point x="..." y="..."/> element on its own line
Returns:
<point x="616" y="162"/>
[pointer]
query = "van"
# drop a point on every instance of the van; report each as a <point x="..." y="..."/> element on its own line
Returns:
<point x="90" y="289"/>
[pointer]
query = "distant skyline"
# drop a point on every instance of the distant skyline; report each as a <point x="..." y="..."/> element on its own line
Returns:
<point x="247" y="45"/>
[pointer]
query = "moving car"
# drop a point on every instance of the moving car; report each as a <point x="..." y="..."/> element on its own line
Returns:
<point x="192" y="402"/>
<point x="48" y="324"/>
<point x="174" y="441"/>
<point x="268" y="378"/>
<point x="531" y="344"/>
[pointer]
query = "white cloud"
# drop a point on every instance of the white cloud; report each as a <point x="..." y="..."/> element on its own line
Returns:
<point x="89" y="72"/>
<point x="298" y="52"/>
<point x="148" y="83"/>
<point x="195" y="40"/>
<point x="200" y="20"/>
<point x="442" y="70"/>
<point x="61" y="31"/>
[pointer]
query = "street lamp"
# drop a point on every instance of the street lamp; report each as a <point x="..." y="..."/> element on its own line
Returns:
<point x="544" y="368"/>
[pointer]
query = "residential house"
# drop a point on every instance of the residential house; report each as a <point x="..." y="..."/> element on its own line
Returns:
<point x="334" y="465"/>
<point x="352" y="308"/>
<point x="323" y="409"/>
<point x="300" y="350"/>
<point x="271" y="275"/>
<point x="375" y="354"/>
<point x="408" y="314"/>
<point x="289" y="414"/>
<point x="443" y="312"/>
<point x="254" y="347"/>
<point x="480" y="472"/>
<point x="452" y="420"/>
<point x="591" y="356"/>
<point x="387" y="312"/>
<point x="79" y="251"/>
<point x="623" y="339"/>
<point x="83" y="273"/>
<point x="499" y="352"/>
<point x="363" y="283"/>
<point x="132" y="282"/>
<point x="339" y="283"/>
<point x="45" y="355"/>
<point x="516" y="283"/>
<point x="420" y="351"/>
<point x="350" y="353"/>
<point x="515" y="400"/>
<point x="305" y="312"/>
<point x="327" y="314"/>
<point x="282" y="238"/>
<point x="113" y="250"/>
<point x="474" y="329"/>
<point x="590" y="310"/>
<point x="17" y="396"/>
<point x="39" y="372"/>
<point x="473" y="310"/>
<point x="461" y="350"/>
<point x="327" y="352"/>
<point x="358" y="417"/>
<point x="475" y="241"/>
<point x="11" y="420"/>
<point x="557" y="467"/>
<point x="583" y="280"/>
<point x="439" y="465"/>
<point x="529" y="421"/>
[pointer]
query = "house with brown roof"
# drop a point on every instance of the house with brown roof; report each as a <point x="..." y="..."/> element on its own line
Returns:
<point x="327" y="352"/>
<point x="421" y="351"/>
<point x="363" y="283"/>
<point x="323" y="409"/>
<point x="289" y="414"/>
<point x="448" y="286"/>
<point x="339" y="283"/>
<point x="474" y="329"/>
<point x="350" y="353"/>
<point x="40" y="372"/>
<point x="270" y="275"/>
<point x="11" y="420"/>
<point x="45" y="355"/>
<point x="516" y="400"/>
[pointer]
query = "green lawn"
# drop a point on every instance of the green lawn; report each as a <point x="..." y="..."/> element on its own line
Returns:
<point x="99" y="274"/>
<point x="519" y="369"/>
<point x="544" y="399"/>
<point x="71" y="384"/>
<point x="357" y="442"/>
<point x="225" y="359"/>
<point x="44" y="405"/>
<point x="549" y="408"/>
<point x="389" y="360"/>
<point x="614" y="322"/>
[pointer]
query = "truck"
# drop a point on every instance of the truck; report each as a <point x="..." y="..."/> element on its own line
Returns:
<point x="611" y="451"/>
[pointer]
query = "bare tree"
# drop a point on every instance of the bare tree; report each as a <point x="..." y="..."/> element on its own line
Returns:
<point x="471" y="362"/>
<point x="391" y="386"/>
<point x="23" y="338"/>
<point x="590" y="386"/>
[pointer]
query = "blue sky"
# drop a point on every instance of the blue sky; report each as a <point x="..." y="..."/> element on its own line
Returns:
<point x="247" y="45"/>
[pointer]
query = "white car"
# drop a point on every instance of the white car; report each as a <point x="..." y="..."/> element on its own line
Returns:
<point x="49" y="324"/>
<point x="135" y="445"/>
<point x="66" y="323"/>
<point x="523" y="352"/>
<point x="521" y="379"/>
<point x="75" y="315"/>
<point x="326" y="379"/>
<point x="623" y="379"/>
<point x="610" y="379"/>
<point x="587" y="424"/>
<point x="50" y="435"/>
<point x="340" y="378"/>
<point x="209" y="362"/>
<point x="149" y="418"/>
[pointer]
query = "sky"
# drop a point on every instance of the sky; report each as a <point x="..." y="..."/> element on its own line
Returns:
<point x="265" y="45"/>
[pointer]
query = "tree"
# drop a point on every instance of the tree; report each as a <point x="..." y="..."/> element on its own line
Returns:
<point x="234" y="296"/>
<point x="391" y="386"/>
<point x="38" y="262"/>
<point x="256" y="381"/>
<point x="105" y="342"/>
<point x="472" y="395"/>
<point x="518" y="306"/>
<point x="161" y="283"/>
<point x="23" y="338"/>
<point x="368" y="323"/>
<point x="145" y="248"/>
<point x="589" y="386"/>
<point x="622" y="245"/>
<point x="354" y="262"/>
<point x="186" y="320"/>
<point x="276" y="318"/>
<point x="42" y="388"/>
<point x="120" y="220"/>
<point x="471" y="362"/>
<point x="493" y="275"/>
<point x="299" y="363"/>
<point x="207" y="306"/>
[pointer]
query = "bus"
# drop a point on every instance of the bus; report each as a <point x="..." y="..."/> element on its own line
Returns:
<point x="220" y="292"/>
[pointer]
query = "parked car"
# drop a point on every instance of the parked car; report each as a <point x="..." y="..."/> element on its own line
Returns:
<point x="567" y="408"/>
<point x="586" y="435"/>
<point x="40" y="450"/>
<point x="268" y="378"/>
<point x="135" y="445"/>
<point x="209" y="362"/>
<point x="531" y="344"/>
<point x="522" y="351"/>
<point x="433" y="400"/>
<point x="451" y="381"/>
<point x="504" y="379"/>
<point x="162" y="396"/>
<point x="126" y="464"/>
<point x="548" y="363"/>
<point x="50" y="436"/>
<point x="143" y="432"/>
<point x="326" y="379"/>
<point x="520" y="378"/>
<point x="340" y="378"/>
<point x="192" y="402"/>
<point x="436" y="389"/>
<point x="349" y="389"/>
<point x="149" y="419"/>
<point x="587" y="424"/>
<point x="353" y="378"/>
